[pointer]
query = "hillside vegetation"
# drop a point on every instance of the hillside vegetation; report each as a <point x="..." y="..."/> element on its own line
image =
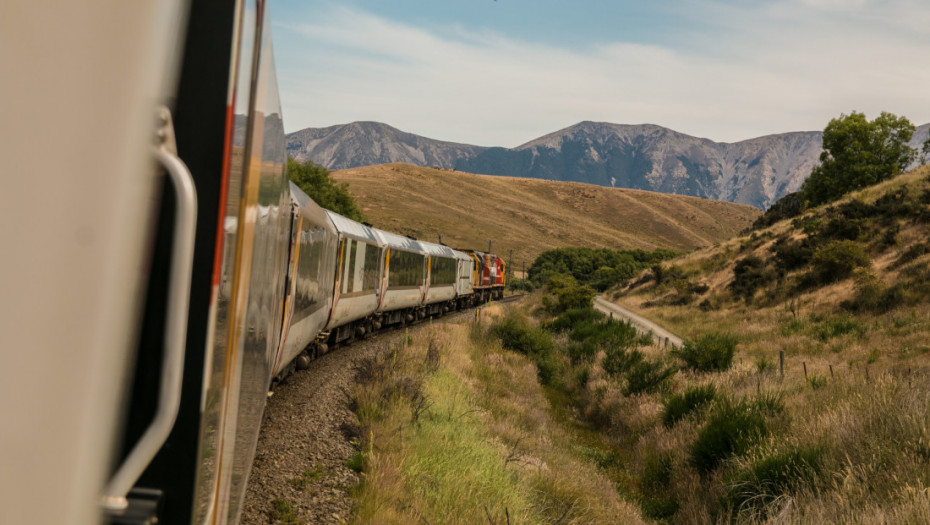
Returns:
<point x="842" y="293"/>
<point x="530" y="216"/>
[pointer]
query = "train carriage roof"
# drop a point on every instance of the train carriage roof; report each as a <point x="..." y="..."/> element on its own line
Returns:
<point x="438" y="249"/>
<point x="399" y="242"/>
<point x="353" y="229"/>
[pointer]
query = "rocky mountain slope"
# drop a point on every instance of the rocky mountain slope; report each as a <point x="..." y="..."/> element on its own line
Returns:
<point x="757" y="172"/>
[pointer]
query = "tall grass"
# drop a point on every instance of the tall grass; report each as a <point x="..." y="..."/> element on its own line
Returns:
<point x="485" y="449"/>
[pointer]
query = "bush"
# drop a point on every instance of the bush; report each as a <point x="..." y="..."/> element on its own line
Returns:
<point x="837" y="261"/>
<point x="731" y="428"/>
<point x="572" y="317"/>
<point x="709" y="352"/>
<point x="837" y="326"/>
<point x="761" y="481"/>
<point x="646" y="376"/>
<point x="316" y="182"/>
<point x="791" y="205"/>
<point x="677" y="406"/>
<point x="618" y="360"/>
<point x="749" y="274"/>
<point x="792" y="255"/>
<point x="656" y="500"/>
<point x="574" y="297"/>
<point x="517" y="335"/>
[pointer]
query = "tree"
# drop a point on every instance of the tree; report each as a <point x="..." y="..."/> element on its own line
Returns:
<point x="858" y="153"/>
<point x="318" y="185"/>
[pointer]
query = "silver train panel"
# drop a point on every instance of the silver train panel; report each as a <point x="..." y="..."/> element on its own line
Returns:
<point x="310" y="275"/>
<point x="360" y="275"/>
<point x="465" y="270"/>
<point x="405" y="269"/>
<point x="248" y="314"/>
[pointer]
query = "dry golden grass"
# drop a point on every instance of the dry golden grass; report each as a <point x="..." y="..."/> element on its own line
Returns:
<point x="856" y="387"/>
<point x="530" y="216"/>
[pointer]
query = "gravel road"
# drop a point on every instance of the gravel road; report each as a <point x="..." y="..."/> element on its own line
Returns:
<point x="640" y="323"/>
<point x="305" y="440"/>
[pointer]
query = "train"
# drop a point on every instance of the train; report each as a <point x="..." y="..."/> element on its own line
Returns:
<point x="159" y="270"/>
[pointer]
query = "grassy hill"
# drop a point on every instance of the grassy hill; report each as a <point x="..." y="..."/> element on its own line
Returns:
<point x="530" y="216"/>
<point x="843" y="292"/>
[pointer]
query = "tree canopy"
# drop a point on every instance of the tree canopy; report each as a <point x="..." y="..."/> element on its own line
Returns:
<point x="318" y="185"/>
<point x="598" y="268"/>
<point x="858" y="153"/>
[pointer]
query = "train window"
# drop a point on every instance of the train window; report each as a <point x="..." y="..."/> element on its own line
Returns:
<point x="406" y="269"/>
<point x="372" y="272"/>
<point x="442" y="271"/>
<point x="348" y="281"/>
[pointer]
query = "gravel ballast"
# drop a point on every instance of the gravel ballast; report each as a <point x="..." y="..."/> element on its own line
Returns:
<point x="306" y="437"/>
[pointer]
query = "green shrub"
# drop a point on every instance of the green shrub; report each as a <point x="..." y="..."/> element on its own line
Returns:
<point x="283" y="511"/>
<point x="817" y="381"/>
<point x="836" y="261"/>
<point x="655" y="500"/>
<point x="516" y="334"/>
<point x="841" y="228"/>
<point x="837" y="326"/>
<point x="709" y="352"/>
<point x="646" y="376"/>
<point x="791" y="255"/>
<point x="731" y="428"/>
<point x="581" y="351"/>
<point x="791" y="205"/>
<point x="677" y="406"/>
<point x="749" y="274"/>
<point x="761" y="481"/>
<point x="913" y="252"/>
<point x="572" y="317"/>
<point x="618" y="360"/>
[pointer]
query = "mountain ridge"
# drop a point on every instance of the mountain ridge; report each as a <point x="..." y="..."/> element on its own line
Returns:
<point x="756" y="171"/>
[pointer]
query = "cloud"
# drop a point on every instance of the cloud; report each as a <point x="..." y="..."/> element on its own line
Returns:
<point x="737" y="73"/>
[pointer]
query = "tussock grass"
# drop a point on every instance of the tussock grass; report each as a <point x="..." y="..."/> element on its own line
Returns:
<point x="485" y="450"/>
<point x="843" y="436"/>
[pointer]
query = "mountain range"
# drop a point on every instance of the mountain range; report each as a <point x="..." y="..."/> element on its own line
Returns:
<point x="756" y="172"/>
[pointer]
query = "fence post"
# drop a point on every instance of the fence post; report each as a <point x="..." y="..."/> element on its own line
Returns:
<point x="805" y="369"/>
<point x="831" y="371"/>
<point x="781" y="363"/>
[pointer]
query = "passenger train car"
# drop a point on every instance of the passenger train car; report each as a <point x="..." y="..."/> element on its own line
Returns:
<point x="156" y="279"/>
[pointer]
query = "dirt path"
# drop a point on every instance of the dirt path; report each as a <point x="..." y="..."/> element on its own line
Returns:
<point x="640" y="323"/>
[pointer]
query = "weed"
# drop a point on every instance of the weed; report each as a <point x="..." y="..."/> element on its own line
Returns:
<point x="817" y="381"/>
<point x="710" y="352"/>
<point x="838" y="326"/>
<point x="618" y="360"/>
<point x="283" y="511"/>
<point x="646" y="376"/>
<point x="732" y="426"/>
<point x="749" y="274"/>
<point x="678" y="406"/>
<point x="764" y="364"/>
<point x="357" y="462"/>
<point x="836" y="261"/>
<point x="570" y="318"/>
<point x="760" y="481"/>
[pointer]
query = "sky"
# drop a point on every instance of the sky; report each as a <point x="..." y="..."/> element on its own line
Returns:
<point x="504" y="72"/>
